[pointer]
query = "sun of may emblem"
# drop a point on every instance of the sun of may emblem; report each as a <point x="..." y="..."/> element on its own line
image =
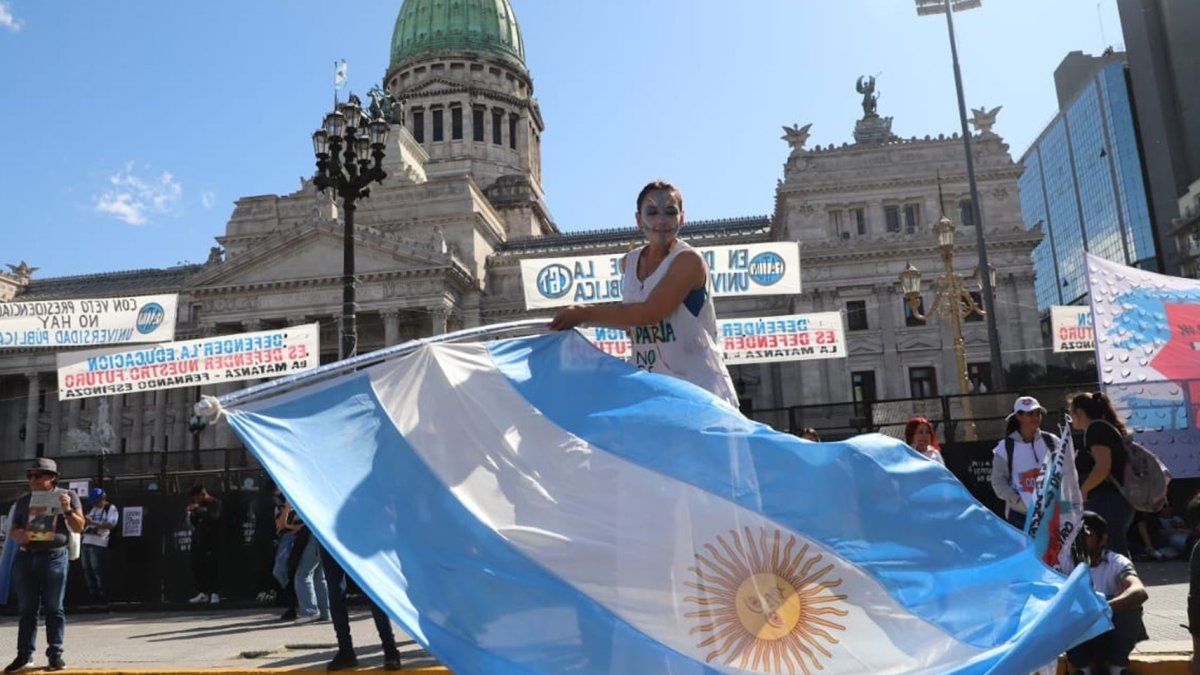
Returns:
<point x="762" y="605"/>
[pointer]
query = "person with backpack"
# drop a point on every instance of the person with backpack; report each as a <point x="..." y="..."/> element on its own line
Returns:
<point x="1104" y="459"/>
<point x="1018" y="458"/>
<point x="97" y="531"/>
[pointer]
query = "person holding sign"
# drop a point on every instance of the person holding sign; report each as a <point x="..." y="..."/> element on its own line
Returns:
<point x="666" y="305"/>
<point x="40" y="524"/>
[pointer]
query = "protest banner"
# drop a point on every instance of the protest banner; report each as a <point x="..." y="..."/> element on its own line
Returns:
<point x="752" y="269"/>
<point x="191" y="363"/>
<point x="89" y="321"/>
<point x="1071" y="326"/>
<point x="796" y="337"/>
<point x="1148" y="357"/>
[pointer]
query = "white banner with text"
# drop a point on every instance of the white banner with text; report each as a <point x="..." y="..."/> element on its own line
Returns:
<point x="796" y="337"/>
<point x="753" y="269"/>
<point x="1072" y="328"/>
<point x="190" y="363"/>
<point x="90" y="321"/>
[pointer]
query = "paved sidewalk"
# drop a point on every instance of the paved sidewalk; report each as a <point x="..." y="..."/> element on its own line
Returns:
<point x="208" y="639"/>
<point x="233" y="640"/>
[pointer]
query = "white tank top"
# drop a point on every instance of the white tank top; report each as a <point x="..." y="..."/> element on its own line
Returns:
<point x="685" y="343"/>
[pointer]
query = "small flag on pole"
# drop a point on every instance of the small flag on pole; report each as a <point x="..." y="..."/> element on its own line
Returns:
<point x="1053" y="522"/>
<point x="339" y="74"/>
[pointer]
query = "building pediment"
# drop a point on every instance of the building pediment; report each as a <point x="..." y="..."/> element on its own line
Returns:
<point x="313" y="252"/>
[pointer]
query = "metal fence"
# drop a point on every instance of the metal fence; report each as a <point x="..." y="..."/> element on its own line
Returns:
<point x="166" y="472"/>
<point x="956" y="417"/>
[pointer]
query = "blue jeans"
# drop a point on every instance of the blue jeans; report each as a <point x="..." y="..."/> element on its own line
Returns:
<point x="95" y="571"/>
<point x="282" y="551"/>
<point x="1117" y="513"/>
<point x="41" y="580"/>
<point x="312" y="595"/>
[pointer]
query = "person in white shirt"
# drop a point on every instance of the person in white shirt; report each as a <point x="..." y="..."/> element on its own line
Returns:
<point x="1114" y="577"/>
<point x="667" y="300"/>
<point x="1017" y="457"/>
<point x="98" y="526"/>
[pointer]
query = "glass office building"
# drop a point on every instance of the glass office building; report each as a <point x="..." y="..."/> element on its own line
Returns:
<point x="1083" y="181"/>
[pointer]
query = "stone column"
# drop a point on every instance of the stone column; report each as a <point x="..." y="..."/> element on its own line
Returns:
<point x="137" y="428"/>
<point x="437" y="320"/>
<point x="54" y="441"/>
<point x="893" y="383"/>
<point x="391" y="326"/>
<point x="31" y="414"/>
<point x="183" y="409"/>
<point x="160" y="420"/>
<point x="116" y="411"/>
<point x="72" y="414"/>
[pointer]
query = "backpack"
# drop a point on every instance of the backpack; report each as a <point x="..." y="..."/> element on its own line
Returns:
<point x="1144" y="484"/>
<point x="1010" y="445"/>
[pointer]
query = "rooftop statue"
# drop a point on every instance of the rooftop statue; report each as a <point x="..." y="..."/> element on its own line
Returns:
<point x="983" y="120"/>
<point x="796" y="136"/>
<point x="866" y="87"/>
<point x="384" y="106"/>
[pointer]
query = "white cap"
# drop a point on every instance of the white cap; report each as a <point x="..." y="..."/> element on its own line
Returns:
<point x="1025" y="404"/>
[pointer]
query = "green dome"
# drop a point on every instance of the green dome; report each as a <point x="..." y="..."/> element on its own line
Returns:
<point x="428" y="26"/>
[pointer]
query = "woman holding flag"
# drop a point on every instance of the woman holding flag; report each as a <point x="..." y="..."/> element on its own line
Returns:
<point x="666" y="301"/>
<point x="1018" y="458"/>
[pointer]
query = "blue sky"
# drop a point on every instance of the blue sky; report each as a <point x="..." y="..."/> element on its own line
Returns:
<point x="134" y="125"/>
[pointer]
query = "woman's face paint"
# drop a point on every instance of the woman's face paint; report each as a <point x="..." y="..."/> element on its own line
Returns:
<point x="661" y="216"/>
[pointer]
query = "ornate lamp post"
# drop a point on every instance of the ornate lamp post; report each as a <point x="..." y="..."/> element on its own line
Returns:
<point x="349" y="151"/>
<point x="951" y="302"/>
<point x="948" y="7"/>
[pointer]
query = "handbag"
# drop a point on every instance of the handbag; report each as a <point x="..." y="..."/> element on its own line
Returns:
<point x="73" y="547"/>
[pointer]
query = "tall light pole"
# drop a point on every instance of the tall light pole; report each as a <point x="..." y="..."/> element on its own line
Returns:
<point x="948" y="7"/>
<point x="951" y="302"/>
<point x="342" y="147"/>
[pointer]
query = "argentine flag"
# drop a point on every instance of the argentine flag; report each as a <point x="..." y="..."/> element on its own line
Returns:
<point x="535" y="506"/>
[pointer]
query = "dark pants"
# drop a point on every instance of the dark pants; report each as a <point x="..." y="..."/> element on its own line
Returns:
<point x="95" y="571"/>
<point x="1016" y="519"/>
<point x="1117" y="513"/>
<point x="41" y="580"/>
<point x="204" y="565"/>
<point x="335" y="578"/>
<point x="1113" y="647"/>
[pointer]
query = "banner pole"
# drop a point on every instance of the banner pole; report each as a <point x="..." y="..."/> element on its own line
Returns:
<point x="372" y="358"/>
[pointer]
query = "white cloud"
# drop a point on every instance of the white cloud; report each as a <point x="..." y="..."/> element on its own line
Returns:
<point x="208" y="199"/>
<point x="133" y="200"/>
<point x="7" y="20"/>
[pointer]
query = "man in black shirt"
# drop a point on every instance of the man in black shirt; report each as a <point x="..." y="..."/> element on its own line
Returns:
<point x="204" y="515"/>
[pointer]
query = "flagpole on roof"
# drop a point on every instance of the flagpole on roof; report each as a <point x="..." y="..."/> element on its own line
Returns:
<point x="209" y="407"/>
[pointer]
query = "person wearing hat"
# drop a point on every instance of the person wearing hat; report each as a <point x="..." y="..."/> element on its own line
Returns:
<point x="100" y="521"/>
<point x="1114" y="577"/>
<point x="1017" y="458"/>
<point x="40" y="524"/>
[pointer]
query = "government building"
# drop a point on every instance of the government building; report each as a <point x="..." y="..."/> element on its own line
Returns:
<point x="439" y="242"/>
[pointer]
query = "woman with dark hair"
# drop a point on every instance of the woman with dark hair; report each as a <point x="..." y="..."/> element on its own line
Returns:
<point x="920" y="436"/>
<point x="1018" y="457"/>
<point x="666" y="303"/>
<point x="1102" y="461"/>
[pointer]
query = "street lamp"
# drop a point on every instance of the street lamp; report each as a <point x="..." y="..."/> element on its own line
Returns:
<point x="952" y="301"/>
<point x="948" y="7"/>
<point x="342" y="146"/>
